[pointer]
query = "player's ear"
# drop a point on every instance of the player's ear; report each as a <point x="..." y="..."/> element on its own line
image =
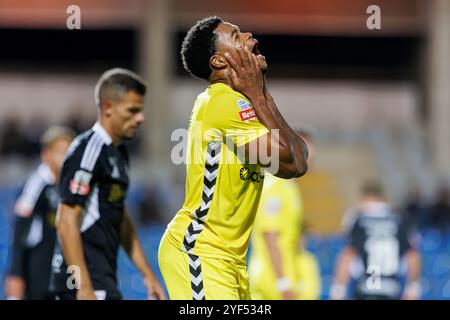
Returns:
<point x="218" y="62"/>
<point x="106" y="108"/>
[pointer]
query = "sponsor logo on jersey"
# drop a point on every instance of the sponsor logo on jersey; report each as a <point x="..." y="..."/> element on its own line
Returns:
<point x="80" y="183"/>
<point x="247" y="112"/>
<point x="243" y="104"/>
<point x="247" y="115"/>
<point x="246" y="174"/>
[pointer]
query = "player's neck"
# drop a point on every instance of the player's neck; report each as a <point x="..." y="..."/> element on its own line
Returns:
<point x="220" y="77"/>
<point x="108" y="128"/>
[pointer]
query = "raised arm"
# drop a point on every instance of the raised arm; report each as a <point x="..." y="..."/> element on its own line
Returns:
<point x="247" y="78"/>
<point x="300" y="147"/>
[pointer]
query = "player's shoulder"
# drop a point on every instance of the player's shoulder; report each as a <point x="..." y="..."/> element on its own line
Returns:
<point x="225" y="104"/>
<point x="357" y="219"/>
<point x="87" y="147"/>
<point x="38" y="181"/>
<point x="220" y="93"/>
<point x="39" y="178"/>
<point x="79" y="144"/>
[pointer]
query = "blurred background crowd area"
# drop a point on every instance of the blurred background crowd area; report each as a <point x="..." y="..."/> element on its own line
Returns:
<point x="377" y="103"/>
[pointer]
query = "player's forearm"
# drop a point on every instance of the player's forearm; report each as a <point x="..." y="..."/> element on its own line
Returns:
<point x="137" y="255"/>
<point x="140" y="261"/>
<point x="132" y="246"/>
<point x="271" y="240"/>
<point x="414" y="265"/>
<point x="342" y="276"/>
<point x="299" y="146"/>
<point x="71" y="244"/>
<point x="266" y="117"/>
<point x="413" y="287"/>
<point x="19" y="253"/>
<point x="274" y="253"/>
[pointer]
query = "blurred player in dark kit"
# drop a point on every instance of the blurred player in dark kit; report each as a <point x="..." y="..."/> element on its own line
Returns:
<point x="379" y="255"/>
<point x="35" y="209"/>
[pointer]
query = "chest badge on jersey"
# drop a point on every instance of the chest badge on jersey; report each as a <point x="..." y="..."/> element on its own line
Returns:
<point x="116" y="194"/>
<point x="247" y="112"/>
<point x="255" y="176"/>
<point x="51" y="218"/>
<point x="115" y="168"/>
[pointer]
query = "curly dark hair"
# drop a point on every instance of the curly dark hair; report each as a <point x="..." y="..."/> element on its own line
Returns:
<point x="198" y="47"/>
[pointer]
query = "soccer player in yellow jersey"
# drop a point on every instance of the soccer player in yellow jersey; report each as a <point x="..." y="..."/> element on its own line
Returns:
<point x="276" y="234"/>
<point x="233" y="130"/>
<point x="278" y="267"/>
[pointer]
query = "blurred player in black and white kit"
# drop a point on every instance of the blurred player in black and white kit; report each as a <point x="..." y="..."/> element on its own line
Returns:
<point x="93" y="220"/>
<point x="34" y="233"/>
<point x="380" y="255"/>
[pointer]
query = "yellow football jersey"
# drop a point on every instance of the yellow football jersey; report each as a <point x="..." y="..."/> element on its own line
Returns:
<point x="222" y="192"/>
<point x="280" y="211"/>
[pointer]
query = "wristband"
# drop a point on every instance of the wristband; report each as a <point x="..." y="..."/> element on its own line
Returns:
<point x="413" y="289"/>
<point x="283" y="284"/>
<point x="338" y="291"/>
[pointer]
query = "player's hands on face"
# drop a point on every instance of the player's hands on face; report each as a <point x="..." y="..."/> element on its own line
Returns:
<point x="246" y="74"/>
<point x="154" y="289"/>
<point x="86" y="294"/>
<point x="14" y="287"/>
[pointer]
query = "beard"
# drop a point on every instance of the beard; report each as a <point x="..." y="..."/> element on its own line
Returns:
<point x="128" y="137"/>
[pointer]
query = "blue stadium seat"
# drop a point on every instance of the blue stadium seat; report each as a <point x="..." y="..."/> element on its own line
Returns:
<point x="441" y="264"/>
<point x="432" y="241"/>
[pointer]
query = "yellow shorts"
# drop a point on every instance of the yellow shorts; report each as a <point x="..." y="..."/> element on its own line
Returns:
<point x="306" y="281"/>
<point x="189" y="277"/>
<point x="309" y="284"/>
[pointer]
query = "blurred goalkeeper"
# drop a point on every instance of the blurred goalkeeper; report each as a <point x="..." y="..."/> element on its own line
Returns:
<point x="35" y="209"/>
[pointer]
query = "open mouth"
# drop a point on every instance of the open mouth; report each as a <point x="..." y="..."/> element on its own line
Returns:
<point x="255" y="48"/>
